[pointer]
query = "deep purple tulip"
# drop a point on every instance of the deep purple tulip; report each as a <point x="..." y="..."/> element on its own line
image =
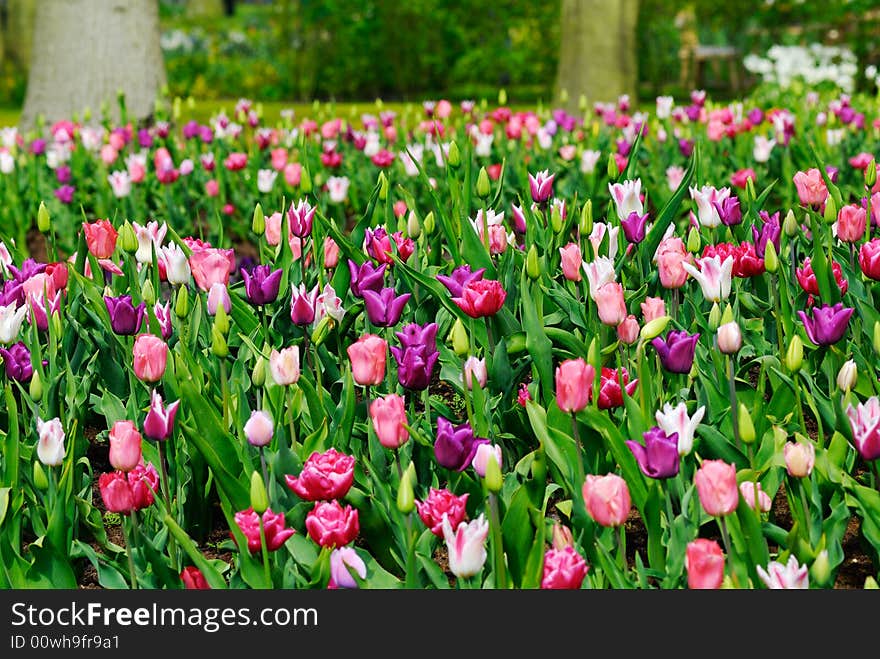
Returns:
<point x="771" y="230"/>
<point x="64" y="194"/>
<point x="634" y="227"/>
<point x="17" y="362"/>
<point x="658" y="458"/>
<point x="415" y="366"/>
<point x="261" y="284"/>
<point x="687" y="146"/>
<point x="125" y="318"/>
<point x="303" y="305"/>
<point x="366" y="277"/>
<point x="828" y="323"/>
<point x="729" y="211"/>
<point x="676" y="351"/>
<point x="460" y="278"/>
<point x="414" y="335"/>
<point x="755" y="116"/>
<point x="384" y="308"/>
<point x="456" y="446"/>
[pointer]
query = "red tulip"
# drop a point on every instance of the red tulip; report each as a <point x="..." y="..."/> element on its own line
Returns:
<point x="483" y="297"/>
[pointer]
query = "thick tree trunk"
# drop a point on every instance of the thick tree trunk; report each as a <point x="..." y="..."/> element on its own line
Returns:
<point x="597" y="55"/>
<point x="86" y="52"/>
<point x="19" y="31"/>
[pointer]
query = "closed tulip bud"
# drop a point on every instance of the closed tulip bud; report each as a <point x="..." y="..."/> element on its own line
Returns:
<point x="654" y="328"/>
<point x="494" y="481"/>
<point x="746" y="427"/>
<point x="40" y="480"/>
<point x="594" y="357"/>
<point x="484" y="187"/>
<point x="694" y="242"/>
<point x="562" y="537"/>
<point x="533" y="266"/>
<point x="413" y="228"/>
<point x="771" y="259"/>
<point x="221" y="320"/>
<point x="259" y="496"/>
<point x="556" y="219"/>
<point x="43" y="219"/>
<point x="729" y="338"/>
<point x="586" y="223"/>
<point x="613" y="171"/>
<point x="35" y="389"/>
<point x="830" y="210"/>
<point x="383" y="186"/>
<point x="56" y="323"/>
<point x="459" y="337"/>
<point x="820" y="570"/>
<point x="127" y="238"/>
<point x="218" y="343"/>
<point x="181" y="304"/>
<point x="715" y="317"/>
<point x="847" y="376"/>
<point x="259" y="428"/>
<point x="148" y="293"/>
<point x="794" y="356"/>
<point x="790" y="224"/>
<point x="502" y="96"/>
<point x="453" y="158"/>
<point x="305" y="181"/>
<point x="582" y="103"/>
<point x="750" y="190"/>
<point x="877" y="337"/>
<point x="322" y="330"/>
<point x="727" y="315"/>
<point x="258" y="223"/>
<point x="871" y="173"/>
<point x="406" y="500"/>
<point x="429" y="223"/>
<point x="258" y="377"/>
<point x="871" y="583"/>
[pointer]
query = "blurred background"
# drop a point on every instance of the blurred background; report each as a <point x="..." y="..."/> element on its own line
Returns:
<point x="297" y="51"/>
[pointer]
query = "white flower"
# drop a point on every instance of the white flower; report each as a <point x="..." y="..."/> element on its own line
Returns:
<point x="466" y="546"/>
<point x="713" y="276"/>
<point x="10" y="322"/>
<point x="50" y="447"/>
<point x="763" y="147"/>
<point x="706" y="211"/>
<point x="147" y="236"/>
<point x="328" y="304"/>
<point x="266" y="180"/>
<point x="7" y="162"/>
<point x="676" y="419"/>
<point x="790" y="576"/>
<point x="589" y="159"/>
<point x="177" y="268"/>
<point x="120" y="183"/>
<point x="627" y="197"/>
<point x="337" y="186"/>
<point x="599" y="271"/>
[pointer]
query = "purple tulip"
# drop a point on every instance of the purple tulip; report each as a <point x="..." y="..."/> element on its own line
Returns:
<point x="418" y="356"/>
<point x="687" y="146"/>
<point x="125" y="318"/>
<point x="145" y="140"/>
<point x="163" y="317"/>
<point x="623" y="147"/>
<point x="65" y="193"/>
<point x="676" y="351"/>
<point x="658" y="458"/>
<point x="634" y="227"/>
<point x="62" y="174"/>
<point x="541" y="186"/>
<point x="366" y="277"/>
<point x="414" y="335"/>
<point x="190" y="129"/>
<point x="456" y="446"/>
<point x="729" y="211"/>
<point x="303" y="305"/>
<point x="771" y="230"/>
<point x="261" y="284"/>
<point x="755" y="116"/>
<point x="828" y="323"/>
<point x="206" y="134"/>
<point x="301" y="218"/>
<point x="38" y="147"/>
<point x="460" y="278"/>
<point x="159" y="423"/>
<point x="832" y="172"/>
<point x="384" y="308"/>
<point x="17" y="362"/>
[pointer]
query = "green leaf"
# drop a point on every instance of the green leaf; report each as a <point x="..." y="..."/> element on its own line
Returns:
<point x="518" y="534"/>
<point x="212" y="575"/>
<point x="537" y="343"/>
<point x="109" y="576"/>
<point x="11" y="441"/>
<point x="49" y="570"/>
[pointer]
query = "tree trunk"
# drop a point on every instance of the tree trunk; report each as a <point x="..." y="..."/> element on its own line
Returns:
<point x="87" y="52"/>
<point x="19" y="31"/>
<point x="597" y="55"/>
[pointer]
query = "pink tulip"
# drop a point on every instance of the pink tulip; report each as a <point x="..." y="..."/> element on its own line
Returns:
<point x="368" y="358"/>
<point x="211" y="266"/>
<point x="748" y="491"/>
<point x="571" y="261"/>
<point x="324" y="476"/>
<point x="610" y="304"/>
<point x="564" y="569"/>
<point x="342" y="561"/>
<point x="704" y="562"/>
<point x="284" y="365"/>
<point x="486" y="452"/>
<point x="441" y="504"/>
<point x="716" y="487"/>
<point x="466" y="546"/>
<point x="125" y="446"/>
<point x="475" y="369"/>
<point x="218" y="295"/>
<point x="811" y="187"/>
<point x="851" y="223"/>
<point x="628" y="330"/>
<point x="864" y="420"/>
<point x="100" y="238"/>
<point x="331" y="253"/>
<point x="671" y="257"/>
<point x="574" y="382"/>
<point x="159" y="423"/>
<point x="653" y="307"/>
<point x="799" y="459"/>
<point x="389" y="416"/>
<point x="607" y="499"/>
<point x="790" y="576"/>
<point x="331" y="525"/>
<point x="259" y="428"/>
<point x="150" y="356"/>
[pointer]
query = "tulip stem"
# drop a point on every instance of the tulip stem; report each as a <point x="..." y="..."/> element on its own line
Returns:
<point x="265" y="552"/>
<point x="621" y="547"/>
<point x="497" y="543"/>
<point x="130" y="542"/>
<point x="806" y="505"/>
<point x="491" y="338"/>
<point x="734" y="412"/>
<point x="292" y="428"/>
<point x="800" y="407"/>
<point x="774" y="289"/>
<point x="265" y="468"/>
<point x="399" y="466"/>
<point x="166" y="486"/>
<point x="580" y="450"/>
<point x="725" y="537"/>
<point x="224" y="389"/>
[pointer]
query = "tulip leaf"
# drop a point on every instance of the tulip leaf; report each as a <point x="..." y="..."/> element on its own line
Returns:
<point x="518" y="534"/>
<point x="614" y="441"/>
<point x="49" y="569"/>
<point x="829" y="293"/>
<point x="867" y="502"/>
<point x="440" y="210"/>
<point x="4" y="503"/>
<point x="473" y="250"/>
<point x="537" y="343"/>
<point x="11" y="442"/>
<point x="559" y="447"/>
<point x="109" y="575"/>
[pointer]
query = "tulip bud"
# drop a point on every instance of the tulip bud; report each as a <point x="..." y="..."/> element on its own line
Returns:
<point x="258" y="377"/>
<point x="259" y="496"/>
<point x="830" y="210"/>
<point x="727" y="315"/>
<point x="459" y="337"/>
<point x="56" y="323"/>
<point x="305" y="181"/>
<point x="406" y="501"/>
<point x="218" y="342"/>
<point x="847" y="376"/>
<point x="794" y="357"/>
<point x="429" y="224"/>
<point x="750" y="190"/>
<point x="729" y="338"/>
<point x="556" y="219"/>
<point x="613" y="171"/>
<point x="790" y="224"/>
<point x="715" y="317"/>
<point x="181" y="304"/>
<point x="877" y="337"/>
<point x="582" y="103"/>
<point x="746" y="427"/>
<point x="533" y="267"/>
<point x="383" y="186"/>
<point x="258" y="223"/>
<point x="562" y="537"/>
<point x="771" y="260"/>
<point x="484" y="187"/>
<point x="40" y="480"/>
<point x="654" y="328"/>
<point x="453" y="158"/>
<point x="323" y="329"/>
<point x="494" y="481"/>
<point x="221" y="320"/>
<point x="820" y="570"/>
<point x="413" y="228"/>
<point x="871" y="583"/>
<point x="563" y="96"/>
<point x="871" y="173"/>
<point x="694" y="242"/>
<point x="127" y="239"/>
<point x="586" y="223"/>
<point x="594" y="356"/>
<point x="502" y="96"/>
<point x="36" y="387"/>
<point x="148" y="293"/>
<point x="43" y="219"/>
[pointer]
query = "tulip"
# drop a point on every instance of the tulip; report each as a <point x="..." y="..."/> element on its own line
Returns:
<point x="211" y="266"/>
<point x="125" y="446"/>
<point x="704" y="562"/>
<point x="729" y="338"/>
<point x="324" y="476"/>
<point x="284" y="365"/>
<point x="384" y="307"/>
<point x="541" y="186"/>
<point x="671" y="257"/>
<point x="342" y="561"/>
<point x="864" y="420"/>
<point x="807" y="278"/>
<point x="869" y="259"/>
<point x="100" y="238"/>
<point x="713" y="276"/>
<point x="303" y="305"/>
<point x="627" y="197"/>
<point x="574" y="383"/>
<point x="851" y="221"/>
<point x="366" y="277"/>
<point x="481" y="298"/>
<point x="301" y="218"/>
<point x="455" y="447"/>
<point x="607" y="499"/>
<point x="653" y="307"/>
<point x="218" y="297"/>
<point x="728" y="211"/>
<point x="811" y="187"/>
<point x="331" y="253"/>
<point x="377" y="244"/>
<point x="259" y="428"/>
<point x="367" y="356"/>
<point x="389" y="418"/>
<point x="475" y="369"/>
<point x="564" y="569"/>
<point x="799" y="459"/>
<point x="610" y="304"/>
<point x="418" y="356"/>
<point x="11" y="319"/>
<point x="486" y="452"/>
<point x="441" y="504"/>
<point x="150" y="357"/>
<point x="17" y="362"/>
<point x="628" y="330"/>
<point x="707" y="199"/>
<point x="634" y="227"/>
<point x="124" y="492"/>
<point x="676" y="351"/>
<point x="149" y="237"/>
<point x="331" y="525"/>
<point x="177" y="269"/>
<point x="248" y="522"/>
<point x="610" y="393"/>
<point x="747" y="489"/>
<point x="159" y="424"/>
<point x="847" y="376"/>
<point x="261" y="284"/>
<point x="716" y="487"/>
<point x="50" y="447"/>
<point x="466" y="546"/>
<point x="571" y="261"/>
<point x="193" y="579"/>
<point x="827" y="324"/>
<point x="675" y="420"/>
<point x="790" y="576"/>
<point x="125" y="318"/>
<point x="659" y="457"/>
